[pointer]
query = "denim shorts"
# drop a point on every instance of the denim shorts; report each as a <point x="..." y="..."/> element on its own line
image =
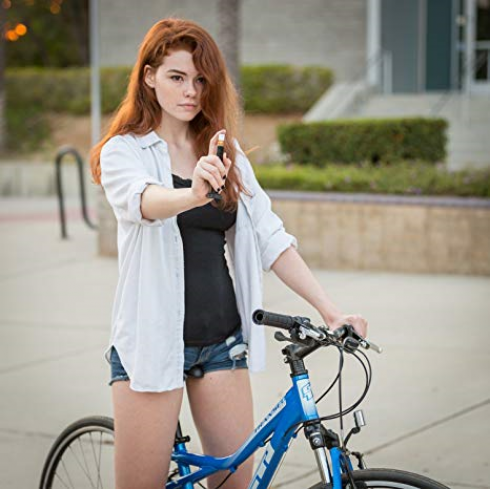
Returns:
<point x="206" y="358"/>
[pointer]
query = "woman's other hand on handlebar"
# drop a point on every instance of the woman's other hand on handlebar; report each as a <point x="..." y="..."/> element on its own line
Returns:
<point x="355" y="320"/>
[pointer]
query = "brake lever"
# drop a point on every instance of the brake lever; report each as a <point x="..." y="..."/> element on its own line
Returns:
<point x="279" y="336"/>
<point x="369" y="345"/>
<point x="348" y="329"/>
<point x="351" y="344"/>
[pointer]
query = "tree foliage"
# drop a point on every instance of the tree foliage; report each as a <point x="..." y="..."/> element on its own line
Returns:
<point x="56" y="35"/>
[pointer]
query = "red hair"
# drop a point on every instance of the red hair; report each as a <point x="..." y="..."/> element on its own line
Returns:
<point x="140" y="112"/>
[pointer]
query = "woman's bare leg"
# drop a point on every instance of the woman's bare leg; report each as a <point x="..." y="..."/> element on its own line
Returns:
<point x="145" y="425"/>
<point x="221" y="405"/>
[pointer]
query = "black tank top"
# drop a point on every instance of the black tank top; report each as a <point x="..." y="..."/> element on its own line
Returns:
<point x="211" y="313"/>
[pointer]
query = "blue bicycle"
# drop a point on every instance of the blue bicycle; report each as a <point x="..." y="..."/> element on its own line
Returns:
<point x="82" y="456"/>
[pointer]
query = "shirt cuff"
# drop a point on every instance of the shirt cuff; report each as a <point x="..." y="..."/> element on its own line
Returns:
<point x="134" y="203"/>
<point x="278" y="243"/>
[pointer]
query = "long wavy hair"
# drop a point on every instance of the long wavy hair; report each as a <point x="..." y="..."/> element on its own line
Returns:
<point x="139" y="112"/>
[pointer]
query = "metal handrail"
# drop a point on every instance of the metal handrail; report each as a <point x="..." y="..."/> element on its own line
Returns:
<point x="62" y="152"/>
<point x="380" y="57"/>
<point x="476" y="64"/>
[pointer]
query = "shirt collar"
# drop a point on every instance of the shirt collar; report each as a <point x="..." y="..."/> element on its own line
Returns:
<point x="150" y="139"/>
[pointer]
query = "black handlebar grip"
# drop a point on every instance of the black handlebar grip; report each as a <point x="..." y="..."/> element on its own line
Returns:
<point x="271" y="319"/>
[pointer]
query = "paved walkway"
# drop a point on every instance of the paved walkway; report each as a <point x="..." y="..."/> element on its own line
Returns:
<point x="427" y="411"/>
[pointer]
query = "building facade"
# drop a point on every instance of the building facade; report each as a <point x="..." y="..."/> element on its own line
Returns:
<point x="429" y="45"/>
<point x="402" y="46"/>
<point x="312" y="32"/>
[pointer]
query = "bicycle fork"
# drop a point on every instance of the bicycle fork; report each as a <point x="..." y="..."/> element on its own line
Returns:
<point x="317" y="435"/>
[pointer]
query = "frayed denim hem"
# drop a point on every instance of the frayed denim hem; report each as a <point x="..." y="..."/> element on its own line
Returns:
<point x="118" y="378"/>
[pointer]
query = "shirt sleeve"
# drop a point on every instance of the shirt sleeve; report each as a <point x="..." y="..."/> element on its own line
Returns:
<point x="124" y="178"/>
<point x="269" y="229"/>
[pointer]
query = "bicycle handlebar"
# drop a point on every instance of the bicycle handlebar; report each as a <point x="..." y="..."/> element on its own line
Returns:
<point x="272" y="319"/>
<point x="306" y="329"/>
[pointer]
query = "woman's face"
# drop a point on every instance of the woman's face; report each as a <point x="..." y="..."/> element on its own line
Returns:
<point x="178" y="86"/>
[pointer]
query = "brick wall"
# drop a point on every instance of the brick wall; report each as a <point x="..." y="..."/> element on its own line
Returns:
<point x="398" y="237"/>
<point x="392" y="234"/>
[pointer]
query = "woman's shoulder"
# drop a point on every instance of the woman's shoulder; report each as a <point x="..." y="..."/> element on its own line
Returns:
<point x="120" y="141"/>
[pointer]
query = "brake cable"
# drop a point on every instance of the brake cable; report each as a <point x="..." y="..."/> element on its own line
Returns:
<point x="367" y="374"/>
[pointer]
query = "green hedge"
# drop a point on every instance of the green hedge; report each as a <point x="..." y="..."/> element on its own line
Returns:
<point x="27" y="129"/>
<point x="404" y="178"/>
<point x="63" y="90"/>
<point x="283" y="89"/>
<point x="266" y="89"/>
<point x="373" y="140"/>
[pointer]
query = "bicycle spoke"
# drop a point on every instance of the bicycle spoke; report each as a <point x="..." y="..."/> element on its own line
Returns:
<point x="61" y="480"/>
<point x="85" y="460"/>
<point x="80" y="465"/>
<point x="67" y="474"/>
<point x="100" y="455"/>
<point x="97" y="463"/>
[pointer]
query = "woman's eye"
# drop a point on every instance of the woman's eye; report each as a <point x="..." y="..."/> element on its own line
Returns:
<point x="176" y="77"/>
<point x="201" y="80"/>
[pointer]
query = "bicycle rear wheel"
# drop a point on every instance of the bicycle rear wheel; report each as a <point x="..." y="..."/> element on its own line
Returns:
<point x="387" y="479"/>
<point x="82" y="456"/>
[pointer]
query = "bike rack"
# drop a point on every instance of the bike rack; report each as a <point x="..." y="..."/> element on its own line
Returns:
<point x="62" y="152"/>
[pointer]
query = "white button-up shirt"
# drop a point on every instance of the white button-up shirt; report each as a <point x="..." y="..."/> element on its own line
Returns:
<point x="148" y="311"/>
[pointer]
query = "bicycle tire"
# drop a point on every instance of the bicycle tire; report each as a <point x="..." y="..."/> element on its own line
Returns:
<point x="64" y="444"/>
<point x="387" y="479"/>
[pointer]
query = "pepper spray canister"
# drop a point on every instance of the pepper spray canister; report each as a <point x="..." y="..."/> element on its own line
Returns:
<point x="220" y="152"/>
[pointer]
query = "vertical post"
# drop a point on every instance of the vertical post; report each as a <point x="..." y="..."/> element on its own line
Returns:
<point x="61" y="199"/>
<point x="373" y="43"/>
<point x="469" y="44"/>
<point x="94" y="71"/>
<point x="3" y="126"/>
<point x="488" y="64"/>
<point x="387" y="73"/>
<point x="107" y="235"/>
<point x="454" y="45"/>
<point x="422" y="47"/>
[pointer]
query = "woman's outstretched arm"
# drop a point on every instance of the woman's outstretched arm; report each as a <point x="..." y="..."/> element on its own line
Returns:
<point x="295" y="273"/>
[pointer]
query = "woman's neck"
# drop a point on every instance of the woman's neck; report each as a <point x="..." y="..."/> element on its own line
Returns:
<point x="174" y="132"/>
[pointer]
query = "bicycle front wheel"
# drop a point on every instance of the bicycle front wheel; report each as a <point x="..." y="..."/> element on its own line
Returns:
<point x="387" y="479"/>
<point x="82" y="456"/>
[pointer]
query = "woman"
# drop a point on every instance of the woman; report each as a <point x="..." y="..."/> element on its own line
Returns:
<point x="176" y="307"/>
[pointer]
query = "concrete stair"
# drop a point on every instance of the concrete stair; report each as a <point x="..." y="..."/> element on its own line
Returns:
<point x="342" y="98"/>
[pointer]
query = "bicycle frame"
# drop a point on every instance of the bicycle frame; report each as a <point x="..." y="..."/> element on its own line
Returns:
<point x="298" y="405"/>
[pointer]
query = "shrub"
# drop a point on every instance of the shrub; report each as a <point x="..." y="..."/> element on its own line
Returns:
<point x="60" y="90"/>
<point x="27" y="129"/>
<point x="266" y="89"/>
<point x="32" y="92"/>
<point x="403" y="178"/>
<point x="372" y="140"/>
<point x="283" y="88"/>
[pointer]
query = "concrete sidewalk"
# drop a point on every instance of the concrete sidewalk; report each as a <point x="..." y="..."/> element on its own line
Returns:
<point x="430" y="396"/>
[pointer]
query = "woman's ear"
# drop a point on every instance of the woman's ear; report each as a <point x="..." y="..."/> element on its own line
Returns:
<point x="149" y="76"/>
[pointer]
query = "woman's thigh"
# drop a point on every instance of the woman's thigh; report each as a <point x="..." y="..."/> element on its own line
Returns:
<point x="145" y="425"/>
<point x="221" y="405"/>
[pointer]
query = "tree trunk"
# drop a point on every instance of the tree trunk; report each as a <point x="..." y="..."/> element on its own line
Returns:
<point x="229" y="35"/>
<point x="77" y="14"/>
